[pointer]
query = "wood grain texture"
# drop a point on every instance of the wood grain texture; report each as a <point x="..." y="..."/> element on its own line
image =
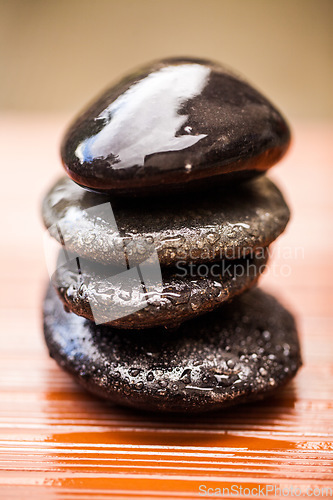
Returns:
<point x="58" y="442"/>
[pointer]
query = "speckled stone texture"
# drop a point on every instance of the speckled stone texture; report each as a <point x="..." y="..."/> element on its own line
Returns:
<point x="171" y="125"/>
<point x="201" y="228"/>
<point x="245" y="350"/>
<point x="186" y="292"/>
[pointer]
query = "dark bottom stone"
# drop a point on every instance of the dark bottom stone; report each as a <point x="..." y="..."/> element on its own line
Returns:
<point x="243" y="351"/>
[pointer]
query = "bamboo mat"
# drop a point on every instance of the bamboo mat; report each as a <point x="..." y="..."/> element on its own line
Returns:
<point x="57" y="442"/>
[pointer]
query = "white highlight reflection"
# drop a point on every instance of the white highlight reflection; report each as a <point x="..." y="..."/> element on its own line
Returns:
<point x="145" y="119"/>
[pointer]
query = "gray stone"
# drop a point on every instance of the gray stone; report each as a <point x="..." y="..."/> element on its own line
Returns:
<point x="192" y="228"/>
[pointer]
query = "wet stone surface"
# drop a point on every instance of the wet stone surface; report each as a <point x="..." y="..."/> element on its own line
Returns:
<point x="174" y="124"/>
<point x="103" y="293"/>
<point x="188" y="228"/>
<point x="243" y="351"/>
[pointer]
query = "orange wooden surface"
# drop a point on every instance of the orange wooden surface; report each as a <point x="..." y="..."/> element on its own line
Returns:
<point x="56" y="441"/>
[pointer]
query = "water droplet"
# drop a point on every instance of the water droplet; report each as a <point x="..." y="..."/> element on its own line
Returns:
<point x="212" y="238"/>
<point x="88" y="238"/>
<point x="231" y="363"/>
<point x="83" y="370"/>
<point x="141" y="247"/>
<point x="186" y="376"/>
<point x="195" y="302"/>
<point x="134" y="372"/>
<point x="127" y="390"/>
<point x="266" y="334"/>
<point x="174" y="240"/>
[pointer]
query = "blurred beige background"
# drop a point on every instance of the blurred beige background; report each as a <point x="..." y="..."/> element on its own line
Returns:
<point x="56" y="55"/>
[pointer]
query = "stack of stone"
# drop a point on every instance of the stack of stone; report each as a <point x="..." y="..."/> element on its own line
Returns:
<point x="164" y="226"/>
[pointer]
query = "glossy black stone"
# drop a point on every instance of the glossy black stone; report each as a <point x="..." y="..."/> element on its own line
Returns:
<point x="203" y="228"/>
<point x="245" y="350"/>
<point x="185" y="291"/>
<point x="175" y="123"/>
